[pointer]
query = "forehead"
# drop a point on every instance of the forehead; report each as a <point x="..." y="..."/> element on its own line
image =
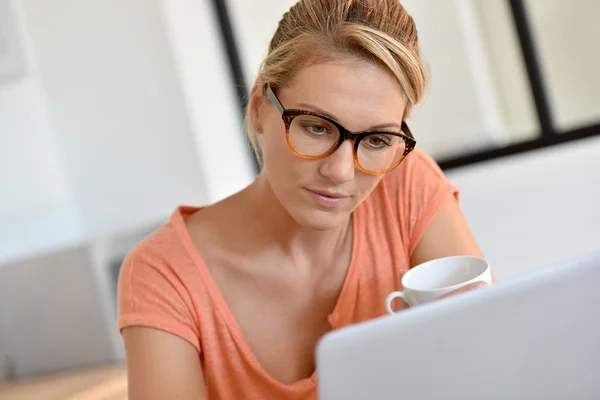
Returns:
<point x="356" y="94"/>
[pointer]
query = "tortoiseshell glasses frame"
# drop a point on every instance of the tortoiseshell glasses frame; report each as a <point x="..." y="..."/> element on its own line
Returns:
<point x="288" y="115"/>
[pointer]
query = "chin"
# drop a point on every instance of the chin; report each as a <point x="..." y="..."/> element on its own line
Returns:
<point x="319" y="219"/>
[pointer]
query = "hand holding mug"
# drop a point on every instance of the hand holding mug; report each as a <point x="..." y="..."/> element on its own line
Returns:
<point x="441" y="278"/>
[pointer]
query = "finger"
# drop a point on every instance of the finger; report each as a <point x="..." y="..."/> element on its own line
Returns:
<point x="465" y="288"/>
<point x="399" y="304"/>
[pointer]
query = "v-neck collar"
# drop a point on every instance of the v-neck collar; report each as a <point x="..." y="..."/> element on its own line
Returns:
<point x="336" y="318"/>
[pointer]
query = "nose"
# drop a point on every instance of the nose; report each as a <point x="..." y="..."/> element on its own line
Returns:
<point x="339" y="166"/>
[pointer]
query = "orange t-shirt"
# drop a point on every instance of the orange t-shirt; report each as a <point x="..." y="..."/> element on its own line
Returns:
<point x="165" y="284"/>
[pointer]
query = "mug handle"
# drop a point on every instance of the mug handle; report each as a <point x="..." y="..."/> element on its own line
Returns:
<point x="390" y="298"/>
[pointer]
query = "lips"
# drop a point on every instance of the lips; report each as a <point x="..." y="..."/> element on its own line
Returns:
<point x="326" y="193"/>
<point x="327" y="199"/>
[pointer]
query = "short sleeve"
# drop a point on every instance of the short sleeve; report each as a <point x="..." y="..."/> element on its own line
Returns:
<point x="152" y="294"/>
<point x="423" y="190"/>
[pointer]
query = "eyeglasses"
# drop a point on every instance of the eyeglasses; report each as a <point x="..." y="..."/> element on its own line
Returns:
<point x="313" y="136"/>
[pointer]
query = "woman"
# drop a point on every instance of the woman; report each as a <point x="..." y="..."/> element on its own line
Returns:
<point x="228" y="301"/>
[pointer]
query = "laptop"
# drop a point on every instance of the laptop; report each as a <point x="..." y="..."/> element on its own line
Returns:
<point x="535" y="337"/>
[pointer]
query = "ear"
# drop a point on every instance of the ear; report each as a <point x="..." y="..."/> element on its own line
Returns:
<point x="256" y="103"/>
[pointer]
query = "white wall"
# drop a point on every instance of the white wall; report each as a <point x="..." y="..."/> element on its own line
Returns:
<point x="26" y="146"/>
<point x="12" y="57"/>
<point x="534" y="210"/>
<point x="117" y="106"/>
<point x="461" y="111"/>
<point x="567" y="34"/>
<point x="210" y="97"/>
<point x="509" y="71"/>
<point x="34" y="193"/>
<point x="254" y="24"/>
<point x="117" y="120"/>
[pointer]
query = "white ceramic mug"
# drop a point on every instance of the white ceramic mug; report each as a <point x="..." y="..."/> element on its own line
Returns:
<point x="433" y="279"/>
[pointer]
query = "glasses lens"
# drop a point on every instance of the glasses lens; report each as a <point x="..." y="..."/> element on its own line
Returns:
<point x="312" y="136"/>
<point x="378" y="153"/>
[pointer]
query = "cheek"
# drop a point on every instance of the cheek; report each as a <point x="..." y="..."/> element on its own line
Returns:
<point x="274" y="146"/>
<point x="282" y="166"/>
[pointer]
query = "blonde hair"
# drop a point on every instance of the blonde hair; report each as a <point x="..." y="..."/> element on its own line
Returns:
<point x="314" y="31"/>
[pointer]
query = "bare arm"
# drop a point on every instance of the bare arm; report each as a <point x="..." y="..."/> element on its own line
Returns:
<point x="447" y="235"/>
<point x="162" y="366"/>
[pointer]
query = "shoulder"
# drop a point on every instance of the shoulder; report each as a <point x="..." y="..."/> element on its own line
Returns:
<point x="414" y="192"/>
<point x="166" y="245"/>
<point x="158" y="286"/>
<point x="161" y="263"/>
<point x="415" y="181"/>
<point x="159" y="250"/>
<point x="418" y="170"/>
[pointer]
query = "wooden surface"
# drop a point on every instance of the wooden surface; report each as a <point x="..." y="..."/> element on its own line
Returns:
<point x="108" y="383"/>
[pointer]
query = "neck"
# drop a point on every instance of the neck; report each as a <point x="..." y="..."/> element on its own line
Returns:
<point x="276" y="230"/>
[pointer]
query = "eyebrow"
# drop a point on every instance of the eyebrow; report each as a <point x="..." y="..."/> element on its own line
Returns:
<point x="318" y="110"/>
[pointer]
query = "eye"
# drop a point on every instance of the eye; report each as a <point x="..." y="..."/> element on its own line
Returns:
<point x="315" y="129"/>
<point x="377" y="141"/>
